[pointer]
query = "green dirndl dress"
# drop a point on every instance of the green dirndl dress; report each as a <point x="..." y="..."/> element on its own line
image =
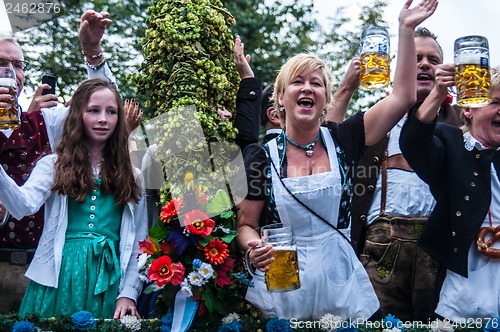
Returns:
<point x="90" y="269"/>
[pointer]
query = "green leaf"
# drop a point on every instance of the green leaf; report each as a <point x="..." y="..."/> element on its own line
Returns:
<point x="158" y="231"/>
<point x="152" y="288"/>
<point x="229" y="237"/>
<point x="211" y="301"/>
<point x="219" y="203"/>
<point x="227" y="215"/>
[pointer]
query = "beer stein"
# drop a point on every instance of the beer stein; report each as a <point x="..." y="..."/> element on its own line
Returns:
<point x="375" y="71"/>
<point x="472" y="71"/>
<point x="283" y="274"/>
<point x="10" y="116"/>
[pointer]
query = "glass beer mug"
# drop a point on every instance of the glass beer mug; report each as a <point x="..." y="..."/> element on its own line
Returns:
<point x="283" y="274"/>
<point x="375" y="72"/>
<point x="10" y="116"/>
<point x="472" y="71"/>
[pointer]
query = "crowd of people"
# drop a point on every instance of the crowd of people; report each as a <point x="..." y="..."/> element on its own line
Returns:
<point x="392" y="208"/>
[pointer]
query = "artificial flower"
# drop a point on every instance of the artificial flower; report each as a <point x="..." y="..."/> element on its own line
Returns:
<point x="206" y="270"/>
<point x="197" y="263"/>
<point x="167" y="247"/>
<point x="164" y="271"/>
<point x="148" y="246"/>
<point x="230" y="318"/>
<point x="197" y="222"/>
<point x="278" y="325"/>
<point x="330" y="322"/>
<point x="216" y="251"/>
<point x="142" y="260"/>
<point x="166" y="321"/>
<point x="222" y="277"/>
<point x="186" y="288"/>
<point x="234" y="326"/>
<point x="391" y="323"/>
<point x="181" y="242"/>
<point x="131" y="322"/>
<point x="493" y="325"/>
<point x="23" y="326"/>
<point x="170" y="210"/>
<point x="83" y="320"/>
<point x="196" y="279"/>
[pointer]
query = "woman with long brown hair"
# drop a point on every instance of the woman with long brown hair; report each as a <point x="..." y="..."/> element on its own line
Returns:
<point x="94" y="213"/>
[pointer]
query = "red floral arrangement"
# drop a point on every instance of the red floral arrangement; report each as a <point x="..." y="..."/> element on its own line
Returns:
<point x="191" y="249"/>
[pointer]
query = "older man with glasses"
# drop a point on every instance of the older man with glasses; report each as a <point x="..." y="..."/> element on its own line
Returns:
<point x="39" y="132"/>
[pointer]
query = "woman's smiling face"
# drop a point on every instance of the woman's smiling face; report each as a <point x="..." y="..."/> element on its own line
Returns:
<point x="304" y="98"/>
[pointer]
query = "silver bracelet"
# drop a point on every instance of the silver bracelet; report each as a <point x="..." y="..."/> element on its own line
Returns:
<point x="95" y="56"/>
<point x="96" y="67"/>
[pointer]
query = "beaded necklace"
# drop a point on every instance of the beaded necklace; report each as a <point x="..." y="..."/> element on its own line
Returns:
<point x="308" y="147"/>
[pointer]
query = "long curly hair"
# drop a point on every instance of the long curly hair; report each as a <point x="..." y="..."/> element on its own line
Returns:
<point x="73" y="169"/>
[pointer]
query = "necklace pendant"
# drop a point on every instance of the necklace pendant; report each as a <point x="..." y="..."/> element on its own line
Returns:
<point x="309" y="153"/>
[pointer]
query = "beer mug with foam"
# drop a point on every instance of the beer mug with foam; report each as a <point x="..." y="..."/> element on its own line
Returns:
<point x="283" y="274"/>
<point x="10" y="116"/>
<point x="472" y="71"/>
<point x="375" y="71"/>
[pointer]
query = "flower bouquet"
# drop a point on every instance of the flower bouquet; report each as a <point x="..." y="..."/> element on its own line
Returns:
<point x="191" y="251"/>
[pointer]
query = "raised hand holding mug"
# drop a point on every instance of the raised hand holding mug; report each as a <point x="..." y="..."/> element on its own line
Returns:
<point x="283" y="273"/>
<point x="10" y="116"/>
<point x="472" y="71"/>
<point x="375" y="72"/>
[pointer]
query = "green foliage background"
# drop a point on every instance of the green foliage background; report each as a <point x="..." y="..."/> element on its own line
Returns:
<point x="272" y="32"/>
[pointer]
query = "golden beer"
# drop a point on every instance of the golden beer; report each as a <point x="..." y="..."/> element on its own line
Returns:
<point x="375" y="72"/>
<point x="283" y="274"/>
<point x="473" y="85"/>
<point x="9" y="116"/>
<point x="472" y="71"/>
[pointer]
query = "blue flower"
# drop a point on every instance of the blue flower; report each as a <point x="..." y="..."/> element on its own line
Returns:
<point x="23" y="326"/>
<point x="166" y="321"/>
<point x="234" y="326"/>
<point x="240" y="276"/>
<point x="493" y="325"/>
<point x="391" y="322"/>
<point x="83" y="320"/>
<point x="196" y="263"/>
<point x="278" y="325"/>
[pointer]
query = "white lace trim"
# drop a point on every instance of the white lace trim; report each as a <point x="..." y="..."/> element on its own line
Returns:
<point x="470" y="142"/>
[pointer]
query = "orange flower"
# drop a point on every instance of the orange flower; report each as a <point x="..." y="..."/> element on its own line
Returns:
<point x="148" y="246"/>
<point x="163" y="271"/>
<point x="197" y="222"/>
<point x="216" y="251"/>
<point x="170" y="210"/>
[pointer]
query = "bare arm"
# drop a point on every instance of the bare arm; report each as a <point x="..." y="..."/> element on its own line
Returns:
<point x="380" y="118"/>
<point x="343" y="95"/>
<point x="445" y="77"/>
<point x="248" y="237"/>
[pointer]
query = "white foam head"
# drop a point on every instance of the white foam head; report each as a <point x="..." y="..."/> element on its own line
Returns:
<point x="8" y="82"/>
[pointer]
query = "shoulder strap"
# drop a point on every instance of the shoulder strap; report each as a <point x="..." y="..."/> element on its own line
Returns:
<point x="311" y="210"/>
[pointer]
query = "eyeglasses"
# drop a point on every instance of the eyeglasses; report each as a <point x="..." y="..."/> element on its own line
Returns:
<point x="17" y="64"/>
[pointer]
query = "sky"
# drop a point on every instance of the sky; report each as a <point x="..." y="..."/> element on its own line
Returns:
<point x="452" y="19"/>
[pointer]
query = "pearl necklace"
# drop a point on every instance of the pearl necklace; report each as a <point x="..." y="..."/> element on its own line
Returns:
<point x="308" y="147"/>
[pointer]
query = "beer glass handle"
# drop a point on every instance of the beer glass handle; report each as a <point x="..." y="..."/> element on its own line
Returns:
<point x="250" y="268"/>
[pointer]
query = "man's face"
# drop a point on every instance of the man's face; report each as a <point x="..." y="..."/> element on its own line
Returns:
<point x="9" y="51"/>
<point x="428" y="57"/>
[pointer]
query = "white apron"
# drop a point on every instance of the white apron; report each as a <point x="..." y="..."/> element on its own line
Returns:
<point x="333" y="281"/>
